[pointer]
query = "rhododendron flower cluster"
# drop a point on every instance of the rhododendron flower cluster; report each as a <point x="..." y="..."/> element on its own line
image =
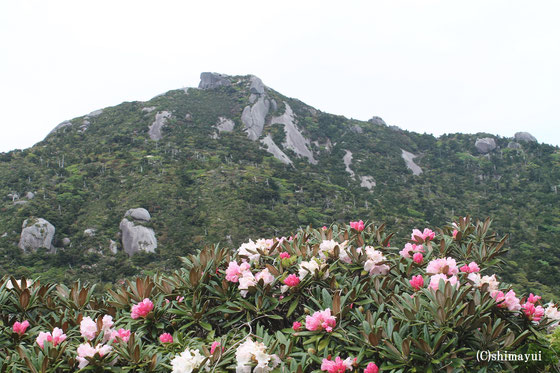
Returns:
<point x="291" y="280"/>
<point x="371" y="368"/>
<point x="250" y="352"/>
<point x="479" y="281"/>
<point x="166" y="338"/>
<point x="296" y="326"/>
<point x="326" y="249"/>
<point x="357" y="225"/>
<point x="234" y="271"/>
<point x="533" y="298"/>
<point x="427" y="235"/>
<point x="337" y="365"/>
<point x="141" y="309"/>
<point x="187" y="361"/>
<point x="372" y="263"/>
<point x="434" y="280"/>
<point x="552" y="312"/>
<point x="533" y="313"/>
<point x="55" y="338"/>
<point x="251" y="249"/>
<point x="411" y="248"/>
<point x="417" y="282"/>
<point x="446" y="266"/>
<point x="311" y="267"/>
<point x="321" y="320"/>
<point x="284" y="255"/>
<point x="20" y="327"/>
<point x="418" y="258"/>
<point x="265" y="276"/>
<point x="214" y="346"/>
<point x="472" y="267"/>
<point x="509" y="300"/>
<point x="86" y="350"/>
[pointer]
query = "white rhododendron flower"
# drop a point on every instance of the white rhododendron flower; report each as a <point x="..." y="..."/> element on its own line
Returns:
<point x="311" y="267"/>
<point x="479" y="281"/>
<point x="249" y="249"/>
<point x="374" y="257"/>
<point x="86" y="350"/>
<point x="264" y="275"/>
<point x="187" y="361"/>
<point x="245" y="282"/>
<point x="250" y="352"/>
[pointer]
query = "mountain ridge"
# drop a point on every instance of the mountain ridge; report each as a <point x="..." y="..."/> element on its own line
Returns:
<point x="236" y="159"/>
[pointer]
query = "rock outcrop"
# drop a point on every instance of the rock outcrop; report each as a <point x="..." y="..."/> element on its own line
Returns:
<point x="136" y="237"/>
<point x="514" y="145"/>
<point x="347" y="159"/>
<point x="525" y="136"/>
<point x="66" y="123"/>
<point x="409" y="161"/>
<point x="273" y="149"/>
<point x="36" y="233"/>
<point x="90" y="232"/>
<point x="367" y="182"/>
<point x="160" y="120"/>
<point x="213" y="81"/>
<point x="295" y="140"/>
<point x="485" y="145"/>
<point x="377" y="120"/>
<point x="257" y="86"/>
<point x="140" y="214"/>
<point x="253" y="118"/>
<point x="225" y="125"/>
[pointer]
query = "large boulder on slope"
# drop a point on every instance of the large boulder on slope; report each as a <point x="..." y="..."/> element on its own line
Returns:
<point x="485" y="145"/>
<point x="36" y="233"/>
<point x="213" y="81"/>
<point x="135" y="236"/>
<point x="524" y="136"/>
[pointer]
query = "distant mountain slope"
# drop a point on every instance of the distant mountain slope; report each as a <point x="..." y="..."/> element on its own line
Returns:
<point x="235" y="159"/>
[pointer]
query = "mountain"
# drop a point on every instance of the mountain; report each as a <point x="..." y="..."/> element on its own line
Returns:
<point x="234" y="159"/>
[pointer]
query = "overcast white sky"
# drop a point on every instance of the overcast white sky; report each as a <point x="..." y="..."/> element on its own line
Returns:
<point x="427" y="66"/>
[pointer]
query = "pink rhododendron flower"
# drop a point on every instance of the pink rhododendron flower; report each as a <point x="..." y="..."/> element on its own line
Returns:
<point x="371" y="368"/>
<point x="179" y="298"/>
<point x="265" y="275"/>
<point x="234" y="271"/>
<point x="417" y="282"/>
<point x="215" y="345"/>
<point x="324" y="227"/>
<point x="245" y="282"/>
<point x="166" y="338"/>
<point x="472" y="267"/>
<point x="86" y="350"/>
<point x="508" y="300"/>
<point x="122" y="334"/>
<point x="142" y="309"/>
<point x="446" y="266"/>
<point x="337" y="365"/>
<point x="533" y="298"/>
<point x="455" y="231"/>
<point x="107" y="323"/>
<point x="20" y="327"/>
<point x="409" y="248"/>
<point x="357" y="225"/>
<point x="55" y="338"/>
<point x="291" y="280"/>
<point x="284" y="255"/>
<point x="296" y="326"/>
<point x="418" y="258"/>
<point x="321" y="320"/>
<point x="427" y="235"/>
<point x="88" y="328"/>
<point x="533" y="313"/>
<point x="434" y="280"/>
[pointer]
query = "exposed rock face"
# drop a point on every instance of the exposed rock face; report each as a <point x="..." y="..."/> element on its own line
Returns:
<point x="409" y="160"/>
<point x="485" y="145"/>
<point x="356" y="129"/>
<point x="159" y="122"/>
<point x="36" y="233"/>
<point x="138" y="214"/>
<point x="295" y="140"/>
<point x="66" y="242"/>
<point x="29" y="195"/>
<point x="90" y="232"/>
<point x="213" y="81"/>
<point x="347" y="162"/>
<point x="367" y="182"/>
<point x="525" y="136"/>
<point x="273" y="149"/>
<point x="113" y="246"/>
<point x="225" y="125"/>
<point x="66" y="123"/>
<point x="95" y="113"/>
<point x="378" y="121"/>
<point x="148" y="109"/>
<point x="253" y="118"/>
<point x="257" y="86"/>
<point x="514" y="145"/>
<point x="136" y="237"/>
